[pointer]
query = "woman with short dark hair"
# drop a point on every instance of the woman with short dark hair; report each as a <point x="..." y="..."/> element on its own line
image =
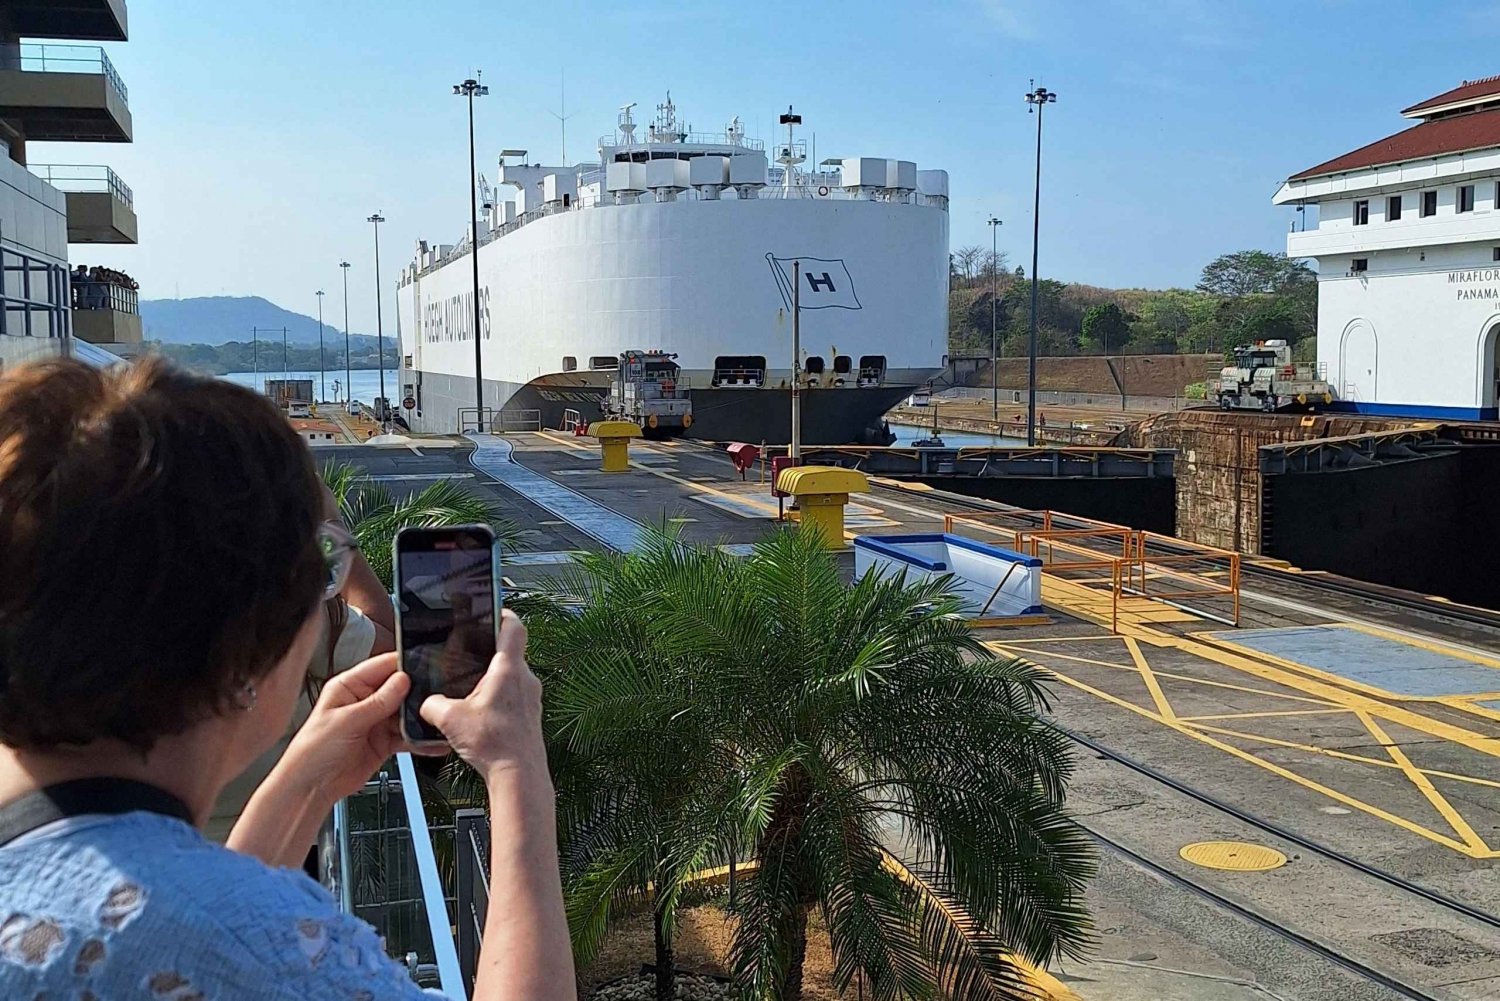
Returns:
<point x="163" y="559"/>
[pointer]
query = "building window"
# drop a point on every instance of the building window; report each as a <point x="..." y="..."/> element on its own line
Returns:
<point x="1496" y="253"/>
<point x="1466" y="198"/>
<point x="1393" y="208"/>
<point x="1359" y="265"/>
<point x="1429" y="204"/>
<point x="570" y="363"/>
<point x="1362" y="212"/>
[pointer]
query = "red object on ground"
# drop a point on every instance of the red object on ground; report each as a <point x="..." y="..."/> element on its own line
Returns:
<point x="778" y="463"/>
<point x="743" y="456"/>
<point x="580" y="429"/>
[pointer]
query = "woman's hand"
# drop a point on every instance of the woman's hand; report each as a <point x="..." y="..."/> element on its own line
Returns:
<point x="351" y="731"/>
<point x="497" y="729"/>
<point x="353" y="728"/>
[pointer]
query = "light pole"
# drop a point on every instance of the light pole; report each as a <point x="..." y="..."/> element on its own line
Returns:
<point x="794" y="447"/>
<point x="377" y="219"/>
<point x="472" y="88"/>
<point x="1037" y="100"/>
<point x="348" y="372"/>
<point x="322" y="376"/>
<point x="995" y="225"/>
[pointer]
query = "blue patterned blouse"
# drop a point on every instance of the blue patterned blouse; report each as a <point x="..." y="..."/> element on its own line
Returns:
<point x="139" y="905"/>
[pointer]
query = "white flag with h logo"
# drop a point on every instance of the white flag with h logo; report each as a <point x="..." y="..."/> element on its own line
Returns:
<point x="826" y="283"/>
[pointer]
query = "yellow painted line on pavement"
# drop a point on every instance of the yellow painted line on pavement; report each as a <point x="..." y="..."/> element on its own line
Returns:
<point x="1261" y="715"/>
<point x="1265" y="668"/>
<point x="1424" y="643"/>
<point x="1341" y="755"/>
<point x="1334" y="794"/>
<point x="1019" y="647"/>
<point x="570" y="442"/>
<point x="1067" y="639"/>
<point x="1152" y="685"/>
<point x="1468" y="704"/>
<point x="1424" y="785"/>
<point x="1328" y="676"/>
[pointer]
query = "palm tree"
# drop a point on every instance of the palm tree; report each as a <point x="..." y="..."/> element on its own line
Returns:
<point x="629" y="834"/>
<point x="856" y="745"/>
<point x="374" y="515"/>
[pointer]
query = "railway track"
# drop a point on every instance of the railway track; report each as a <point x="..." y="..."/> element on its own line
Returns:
<point x="1305" y="943"/>
<point x="1308" y="941"/>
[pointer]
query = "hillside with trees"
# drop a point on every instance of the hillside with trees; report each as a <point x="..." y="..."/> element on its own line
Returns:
<point x="1245" y="296"/>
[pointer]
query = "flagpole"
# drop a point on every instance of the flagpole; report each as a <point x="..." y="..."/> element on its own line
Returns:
<point x="794" y="451"/>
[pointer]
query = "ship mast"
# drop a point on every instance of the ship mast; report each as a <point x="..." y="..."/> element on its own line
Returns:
<point x="792" y="153"/>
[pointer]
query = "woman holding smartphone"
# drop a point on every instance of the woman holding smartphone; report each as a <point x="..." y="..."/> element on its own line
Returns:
<point x="163" y="563"/>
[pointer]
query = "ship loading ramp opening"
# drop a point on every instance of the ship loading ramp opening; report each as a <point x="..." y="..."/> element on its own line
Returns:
<point x="1381" y="788"/>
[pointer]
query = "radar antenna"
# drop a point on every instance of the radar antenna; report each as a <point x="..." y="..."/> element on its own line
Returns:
<point x="626" y="125"/>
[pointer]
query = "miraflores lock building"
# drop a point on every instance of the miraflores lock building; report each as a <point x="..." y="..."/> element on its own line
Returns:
<point x="53" y="89"/>
<point x="1407" y="245"/>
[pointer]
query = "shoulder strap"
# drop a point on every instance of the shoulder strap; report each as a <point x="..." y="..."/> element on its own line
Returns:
<point x="82" y="797"/>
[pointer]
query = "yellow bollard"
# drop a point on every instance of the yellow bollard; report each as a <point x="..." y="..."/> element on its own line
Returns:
<point x="614" y="443"/>
<point x="822" y="492"/>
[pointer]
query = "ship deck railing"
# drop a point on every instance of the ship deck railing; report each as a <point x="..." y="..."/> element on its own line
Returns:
<point x="683" y="139"/>
<point x="801" y="191"/>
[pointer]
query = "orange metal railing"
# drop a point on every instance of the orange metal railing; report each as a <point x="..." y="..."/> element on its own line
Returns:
<point x="1202" y="580"/>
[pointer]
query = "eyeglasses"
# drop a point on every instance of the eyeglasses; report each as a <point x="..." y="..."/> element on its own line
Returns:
<point x="338" y="548"/>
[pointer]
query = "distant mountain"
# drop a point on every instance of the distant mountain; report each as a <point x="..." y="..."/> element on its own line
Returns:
<point x="219" y="319"/>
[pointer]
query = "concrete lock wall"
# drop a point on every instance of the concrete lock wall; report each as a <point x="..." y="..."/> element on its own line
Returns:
<point x="1398" y="524"/>
<point x="1217" y="479"/>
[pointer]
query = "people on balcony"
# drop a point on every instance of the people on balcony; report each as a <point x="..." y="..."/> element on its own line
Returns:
<point x="92" y="287"/>
<point x="164" y="560"/>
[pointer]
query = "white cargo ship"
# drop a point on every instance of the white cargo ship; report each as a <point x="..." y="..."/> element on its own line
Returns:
<point x="686" y="243"/>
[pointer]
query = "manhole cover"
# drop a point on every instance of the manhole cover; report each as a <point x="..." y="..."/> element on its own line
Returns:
<point x="1241" y="856"/>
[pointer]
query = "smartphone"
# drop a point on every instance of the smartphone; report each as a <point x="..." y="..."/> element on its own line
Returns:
<point x="447" y="613"/>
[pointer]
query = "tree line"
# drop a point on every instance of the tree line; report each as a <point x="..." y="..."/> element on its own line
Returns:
<point x="247" y="356"/>
<point x="1242" y="297"/>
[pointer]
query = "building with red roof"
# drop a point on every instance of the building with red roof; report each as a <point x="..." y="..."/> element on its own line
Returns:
<point x="1406" y="235"/>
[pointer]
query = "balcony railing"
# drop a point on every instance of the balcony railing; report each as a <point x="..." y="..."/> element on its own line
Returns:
<point x="380" y="860"/>
<point x="79" y="177"/>
<point x="35" y="58"/>
<point x="104" y="295"/>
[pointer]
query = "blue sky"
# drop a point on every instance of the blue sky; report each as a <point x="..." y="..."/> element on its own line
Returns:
<point x="266" y="133"/>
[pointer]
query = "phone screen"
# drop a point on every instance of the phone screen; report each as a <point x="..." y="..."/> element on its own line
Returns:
<point x="445" y="594"/>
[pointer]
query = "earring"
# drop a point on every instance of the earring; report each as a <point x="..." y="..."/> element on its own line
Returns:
<point x="244" y="699"/>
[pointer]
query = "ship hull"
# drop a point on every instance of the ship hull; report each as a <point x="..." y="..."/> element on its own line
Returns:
<point x="842" y="416"/>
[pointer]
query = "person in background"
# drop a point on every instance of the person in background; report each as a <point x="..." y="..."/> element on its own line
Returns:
<point x="164" y="560"/>
<point x="82" y="290"/>
<point x="97" y="295"/>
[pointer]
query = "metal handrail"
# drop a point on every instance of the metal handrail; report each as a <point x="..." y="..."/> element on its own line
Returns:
<point x="434" y="904"/>
<point x="35" y="58"/>
<point x="83" y="178"/>
<point x="43" y="289"/>
<point x="105" y="295"/>
<point x="684" y="139"/>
